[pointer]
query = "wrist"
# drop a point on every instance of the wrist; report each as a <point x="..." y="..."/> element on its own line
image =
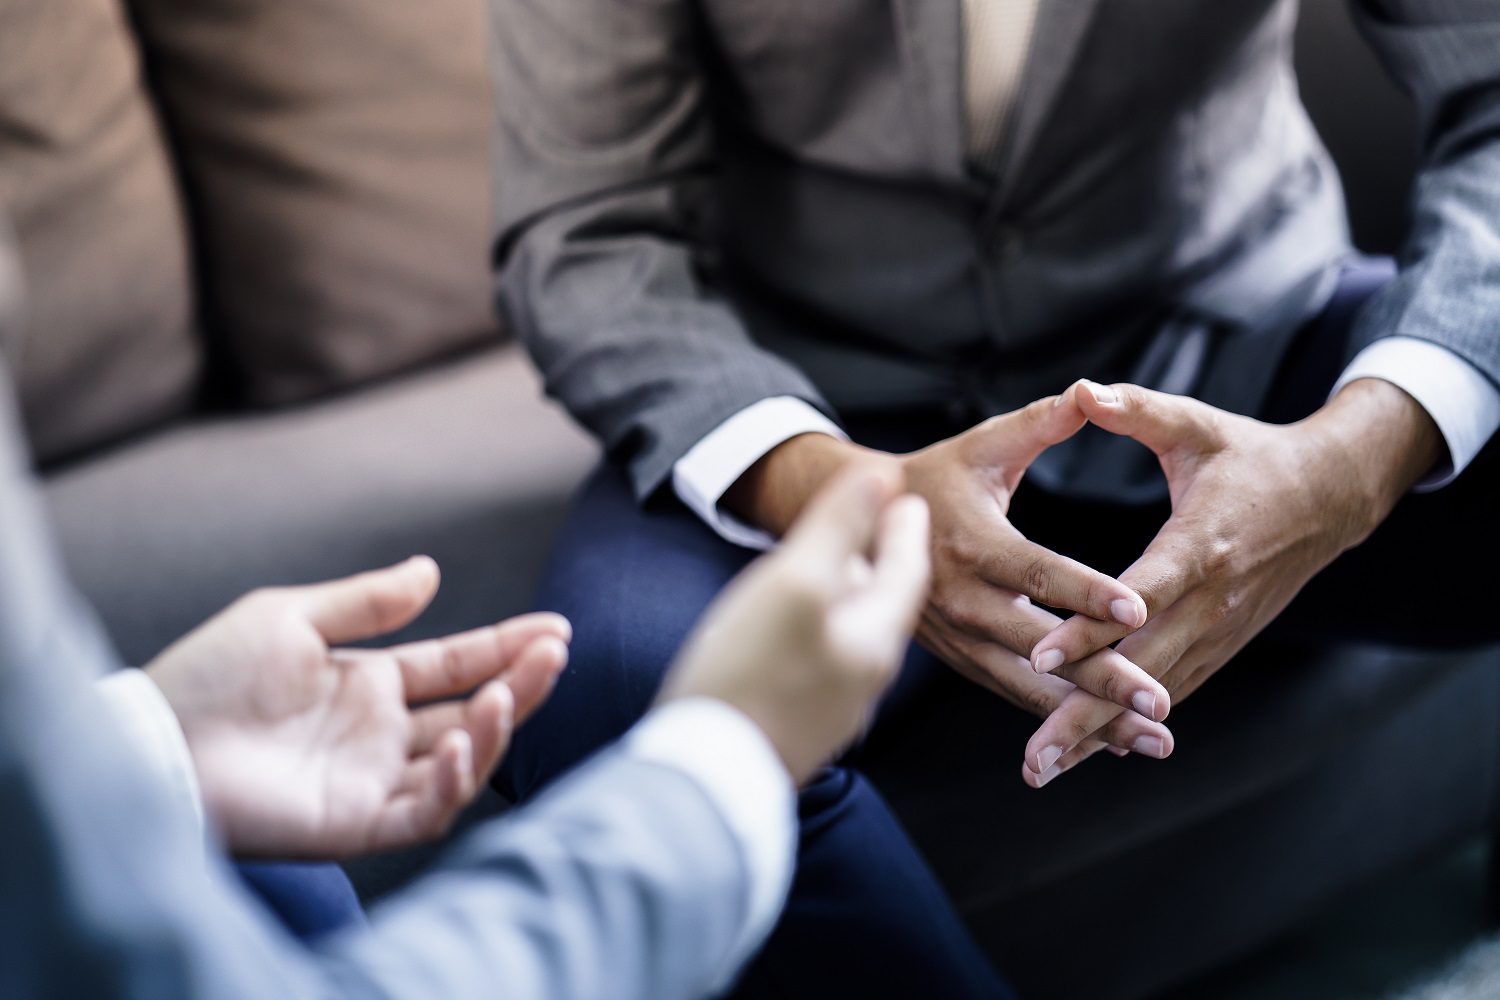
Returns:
<point x="161" y="680"/>
<point x="1385" y="439"/>
<point x="772" y="492"/>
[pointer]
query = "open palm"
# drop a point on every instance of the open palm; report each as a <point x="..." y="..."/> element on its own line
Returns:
<point x="307" y="750"/>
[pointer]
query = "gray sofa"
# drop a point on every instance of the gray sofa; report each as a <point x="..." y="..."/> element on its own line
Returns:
<point x="282" y="471"/>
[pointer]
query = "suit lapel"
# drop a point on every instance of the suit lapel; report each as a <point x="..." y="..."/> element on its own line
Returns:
<point x="1061" y="26"/>
<point x="932" y="51"/>
<point x="932" y="48"/>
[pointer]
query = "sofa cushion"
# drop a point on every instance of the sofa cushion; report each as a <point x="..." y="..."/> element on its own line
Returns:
<point x="86" y="181"/>
<point x="10" y="292"/>
<point x="465" y="462"/>
<point x="336" y="155"/>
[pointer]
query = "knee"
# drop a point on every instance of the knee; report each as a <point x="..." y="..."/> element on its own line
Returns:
<point x="610" y="682"/>
<point x="632" y="584"/>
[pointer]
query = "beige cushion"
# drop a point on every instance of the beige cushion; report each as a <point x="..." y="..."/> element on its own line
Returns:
<point x="85" y="179"/>
<point x="337" y="152"/>
<point x="10" y="293"/>
<point x="465" y="462"/>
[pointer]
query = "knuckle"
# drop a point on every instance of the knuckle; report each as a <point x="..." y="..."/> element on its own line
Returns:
<point x="1113" y="686"/>
<point x="1096" y="599"/>
<point x="1013" y="635"/>
<point x="1123" y="731"/>
<point x="1212" y="426"/>
<point x="1037" y="700"/>
<point x="1036" y="577"/>
<point x="950" y="550"/>
<point x="942" y="591"/>
<point x="959" y="610"/>
<point x="1224" y="608"/>
<point x="1076" y="729"/>
<point x="1218" y="555"/>
<point x="953" y="612"/>
<point x="265" y="600"/>
<point x="1036" y="411"/>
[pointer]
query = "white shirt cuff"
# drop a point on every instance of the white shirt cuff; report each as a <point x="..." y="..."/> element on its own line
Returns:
<point x="731" y="760"/>
<point x="152" y="727"/>
<point x="702" y="476"/>
<point x="1463" y="403"/>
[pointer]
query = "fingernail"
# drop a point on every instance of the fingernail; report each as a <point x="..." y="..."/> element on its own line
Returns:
<point x="1144" y="702"/>
<point x="1150" y="746"/>
<point x="1047" y="758"/>
<point x="1049" y="660"/>
<point x="1118" y="751"/>
<point x="1102" y="393"/>
<point x="1047" y="776"/>
<point x="1128" y="611"/>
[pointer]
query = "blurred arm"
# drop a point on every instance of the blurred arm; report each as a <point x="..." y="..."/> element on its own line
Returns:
<point x="147" y="720"/>
<point x="632" y="878"/>
<point x="655" y="871"/>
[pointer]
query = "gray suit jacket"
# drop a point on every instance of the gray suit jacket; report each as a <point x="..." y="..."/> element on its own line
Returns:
<point x="622" y="882"/>
<point x="706" y="202"/>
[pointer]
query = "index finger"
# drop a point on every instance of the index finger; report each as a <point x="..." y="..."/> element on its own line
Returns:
<point x="877" y="618"/>
<point x="841" y="521"/>
<point x="1082" y="716"/>
<point x="1163" y="573"/>
<point x="441" y="668"/>
<point x="903" y="564"/>
<point x="1056" y="581"/>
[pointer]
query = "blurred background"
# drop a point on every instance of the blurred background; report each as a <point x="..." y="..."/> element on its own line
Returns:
<point x="254" y="244"/>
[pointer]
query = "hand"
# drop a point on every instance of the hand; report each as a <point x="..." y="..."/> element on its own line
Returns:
<point x="980" y="618"/>
<point x="303" y="751"/>
<point x="1257" y="510"/>
<point x="805" y="640"/>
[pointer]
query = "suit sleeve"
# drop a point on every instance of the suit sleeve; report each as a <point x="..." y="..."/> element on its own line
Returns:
<point x="604" y="153"/>
<point x="1446" y="54"/>
<point x="624" y="883"/>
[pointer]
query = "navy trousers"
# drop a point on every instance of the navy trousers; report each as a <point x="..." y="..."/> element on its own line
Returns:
<point x="866" y="917"/>
<point x="310" y="900"/>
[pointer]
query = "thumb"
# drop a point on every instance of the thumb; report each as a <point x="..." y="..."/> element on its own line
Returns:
<point x="841" y="521"/>
<point x="370" y="604"/>
<point x="879" y="618"/>
<point x="1158" y="420"/>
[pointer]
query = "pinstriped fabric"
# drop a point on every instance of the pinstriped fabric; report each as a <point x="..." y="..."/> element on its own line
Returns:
<point x="997" y="36"/>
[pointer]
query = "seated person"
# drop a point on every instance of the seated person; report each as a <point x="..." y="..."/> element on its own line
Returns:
<point x="652" y="871"/>
<point x="749" y="242"/>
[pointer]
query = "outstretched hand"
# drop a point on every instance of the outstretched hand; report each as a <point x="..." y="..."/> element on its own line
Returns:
<point x="805" y="640"/>
<point x="305" y="750"/>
